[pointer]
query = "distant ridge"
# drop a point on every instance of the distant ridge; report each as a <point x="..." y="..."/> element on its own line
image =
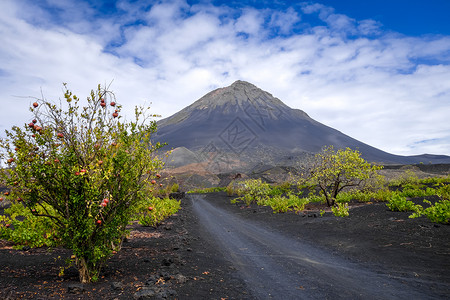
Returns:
<point x="243" y="122"/>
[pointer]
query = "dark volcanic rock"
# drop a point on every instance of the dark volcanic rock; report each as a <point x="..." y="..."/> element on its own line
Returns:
<point x="244" y="123"/>
<point x="75" y="288"/>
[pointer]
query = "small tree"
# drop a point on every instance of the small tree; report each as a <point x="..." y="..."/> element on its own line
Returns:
<point x="85" y="164"/>
<point x="334" y="170"/>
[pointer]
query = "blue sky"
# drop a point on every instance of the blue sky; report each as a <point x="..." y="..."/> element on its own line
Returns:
<point x="378" y="71"/>
<point x="409" y="17"/>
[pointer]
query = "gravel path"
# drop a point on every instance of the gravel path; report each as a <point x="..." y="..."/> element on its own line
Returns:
<point x="276" y="266"/>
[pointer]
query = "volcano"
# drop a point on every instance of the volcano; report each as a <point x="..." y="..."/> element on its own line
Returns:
<point x="244" y="123"/>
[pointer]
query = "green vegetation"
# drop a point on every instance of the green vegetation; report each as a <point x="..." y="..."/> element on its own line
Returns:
<point x="165" y="190"/>
<point x="207" y="190"/>
<point x="75" y="176"/>
<point x="334" y="180"/>
<point x="437" y="213"/>
<point x="292" y="202"/>
<point x="152" y="211"/>
<point x="398" y="202"/>
<point x="340" y="210"/>
<point x="333" y="171"/>
<point x="409" y="186"/>
<point x="29" y="229"/>
<point x="253" y="191"/>
<point x="279" y="198"/>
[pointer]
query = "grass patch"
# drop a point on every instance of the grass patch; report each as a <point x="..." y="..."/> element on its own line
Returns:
<point x="207" y="190"/>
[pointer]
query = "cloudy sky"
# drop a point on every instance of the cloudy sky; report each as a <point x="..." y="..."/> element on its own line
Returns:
<point x="378" y="71"/>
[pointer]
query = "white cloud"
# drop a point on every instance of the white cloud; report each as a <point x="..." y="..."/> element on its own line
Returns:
<point x="369" y="27"/>
<point x="285" y="21"/>
<point x="385" y="89"/>
<point x="249" y="22"/>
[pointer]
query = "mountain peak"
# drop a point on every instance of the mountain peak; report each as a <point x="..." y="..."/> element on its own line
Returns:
<point x="242" y="84"/>
<point x="241" y="97"/>
<point x="238" y="96"/>
<point x="249" y="123"/>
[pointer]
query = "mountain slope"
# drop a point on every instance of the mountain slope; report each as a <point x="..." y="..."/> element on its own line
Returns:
<point x="244" y="122"/>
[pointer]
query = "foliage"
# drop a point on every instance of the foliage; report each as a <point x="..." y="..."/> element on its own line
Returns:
<point x="282" y="188"/>
<point x="207" y="190"/>
<point x="440" y="211"/>
<point x="399" y="202"/>
<point x="22" y="226"/>
<point x="407" y="177"/>
<point x="152" y="211"/>
<point x="340" y="210"/>
<point x="412" y="188"/>
<point x="84" y="170"/>
<point x="333" y="171"/>
<point x="279" y="198"/>
<point x="252" y="191"/>
<point x="382" y="195"/>
<point x="365" y="186"/>
<point x="280" y="203"/>
<point x="435" y="180"/>
<point x="230" y="189"/>
<point x="166" y="190"/>
<point x="315" y="198"/>
<point x="444" y="191"/>
<point x="357" y="195"/>
<point x="175" y="188"/>
<point x="276" y="191"/>
<point x="437" y="213"/>
<point x="411" y="191"/>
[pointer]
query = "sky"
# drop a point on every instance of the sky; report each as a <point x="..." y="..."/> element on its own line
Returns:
<point x="378" y="71"/>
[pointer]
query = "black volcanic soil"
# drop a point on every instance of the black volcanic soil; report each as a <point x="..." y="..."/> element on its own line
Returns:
<point x="181" y="260"/>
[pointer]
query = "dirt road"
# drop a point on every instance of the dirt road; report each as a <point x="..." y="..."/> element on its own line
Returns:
<point x="214" y="250"/>
<point x="276" y="266"/>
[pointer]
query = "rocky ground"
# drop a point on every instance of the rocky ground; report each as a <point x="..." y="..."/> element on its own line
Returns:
<point x="178" y="260"/>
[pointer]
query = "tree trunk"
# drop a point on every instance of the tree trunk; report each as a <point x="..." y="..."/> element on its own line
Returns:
<point x="330" y="201"/>
<point x="334" y="193"/>
<point x="83" y="270"/>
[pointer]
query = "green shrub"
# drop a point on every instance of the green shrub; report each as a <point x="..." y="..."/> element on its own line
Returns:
<point x="207" y="190"/>
<point x="345" y="197"/>
<point x="399" y="202"/>
<point x="362" y="196"/>
<point x="230" y="189"/>
<point x="435" y="180"/>
<point x="165" y="190"/>
<point x="154" y="210"/>
<point x="315" y="198"/>
<point x="407" y="177"/>
<point x="175" y="188"/>
<point x="333" y="171"/>
<point x="365" y="196"/>
<point x="27" y="228"/>
<point x="437" y="213"/>
<point x="340" y="210"/>
<point x="357" y="195"/>
<point x="276" y="191"/>
<point x="252" y="191"/>
<point x="297" y="203"/>
<point x="416" y="191"/>
<point x="284" y="187"/>
<point x="280" y="203"/>
<point x="82" y="168"/>
<point x="444" y="192"/>
<point x="382" y="195"/>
